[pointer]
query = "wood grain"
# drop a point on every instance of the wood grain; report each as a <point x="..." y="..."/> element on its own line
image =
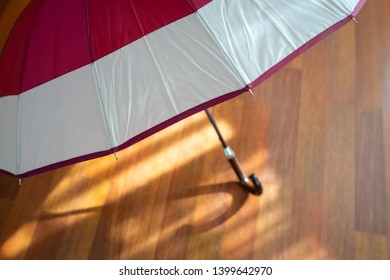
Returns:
<point x="370" y="174"/>
<point x="317" y="133"/>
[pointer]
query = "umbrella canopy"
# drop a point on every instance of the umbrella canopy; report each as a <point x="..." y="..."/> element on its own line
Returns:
<point x="80" y="79"/>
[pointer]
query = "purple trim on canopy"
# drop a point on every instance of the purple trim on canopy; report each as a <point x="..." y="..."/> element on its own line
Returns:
<point x="358" y="7"/>
<point x="305" y="47"/>
<point x="200" y="107"/>
<point x="135" y="139"/>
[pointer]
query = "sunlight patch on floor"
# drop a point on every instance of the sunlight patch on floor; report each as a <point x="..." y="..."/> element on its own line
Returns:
<point x="190" y="147"/>
<point x="18" y="242"/>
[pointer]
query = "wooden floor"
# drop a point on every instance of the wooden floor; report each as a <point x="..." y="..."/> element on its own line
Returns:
<point x="317" y="133"/>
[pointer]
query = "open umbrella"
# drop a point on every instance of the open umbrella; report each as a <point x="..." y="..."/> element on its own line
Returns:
<point x="81" y="79"/>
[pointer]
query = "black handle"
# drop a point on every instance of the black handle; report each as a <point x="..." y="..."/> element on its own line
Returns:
<point x="255" y="187"/>
<point x="251" y="184"/>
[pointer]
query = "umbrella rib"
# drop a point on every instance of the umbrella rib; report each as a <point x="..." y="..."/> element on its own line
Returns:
<point x="18" y="140"/>
<point x="279" y="28"/>
<point x="96" y="75"/>
<point x="163" y="77"/>
<point x="19" y="125"/>
<point x="158" y="67"/>
<point x="230" y="60"/>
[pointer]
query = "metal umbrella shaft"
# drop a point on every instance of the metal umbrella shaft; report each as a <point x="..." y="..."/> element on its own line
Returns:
<point x="251" y="183"/>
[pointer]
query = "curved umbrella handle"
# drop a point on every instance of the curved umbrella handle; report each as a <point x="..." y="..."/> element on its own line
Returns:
<point x="251" y="184"/>
<point x="256" y="187"/>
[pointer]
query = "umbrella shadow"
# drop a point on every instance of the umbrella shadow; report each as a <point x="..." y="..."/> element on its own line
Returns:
<point x="8" y="193"/>
<point x="226" y="188"/>
<point x="172" y="231"/>
<point x="129" y="202"/>
<point x="121" y="231"/>
<point x="238" y="199"/>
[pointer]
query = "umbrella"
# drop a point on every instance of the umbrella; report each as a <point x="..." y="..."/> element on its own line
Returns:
<point x="82" y="79"/>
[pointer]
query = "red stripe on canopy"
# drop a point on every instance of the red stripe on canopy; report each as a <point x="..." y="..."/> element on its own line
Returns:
<point x="54" y="37"/>
<point x="200" y="3"/>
